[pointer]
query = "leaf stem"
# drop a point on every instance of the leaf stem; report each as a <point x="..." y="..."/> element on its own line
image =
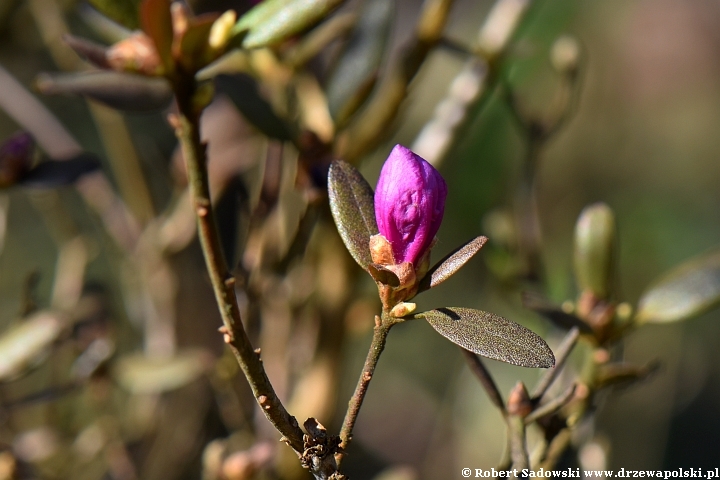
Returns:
<point x="380" y="333"/>
<point x="187" y="129"/>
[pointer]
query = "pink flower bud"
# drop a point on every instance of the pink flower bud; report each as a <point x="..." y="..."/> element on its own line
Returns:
<point x="409" y="204"/>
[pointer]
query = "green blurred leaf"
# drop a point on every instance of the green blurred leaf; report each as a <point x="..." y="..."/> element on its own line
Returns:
<point x="595" y="249"/>
<point x="244" y="93"/>
<point x="24" y="344"/>
<point x="125" y="12"/>
<point x="684" y="292"/>
<point x="491" y="336"/>
<point x="352" y="207"/>
<point x="123" y="91"/>
<point x="453" y="262"/>
<point x="139" y="374"/>
<point x="273" y="21"/>
<point x="357" y="69"/>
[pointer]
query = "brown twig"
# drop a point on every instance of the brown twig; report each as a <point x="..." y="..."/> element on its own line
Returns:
<point x="380" y="333"/>
<point x="187" y="129"/>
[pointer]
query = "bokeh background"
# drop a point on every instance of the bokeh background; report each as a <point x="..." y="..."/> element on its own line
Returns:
<point x="643" y="139"/>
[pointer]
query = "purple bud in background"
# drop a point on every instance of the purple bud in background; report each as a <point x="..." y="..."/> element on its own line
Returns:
<point x="409" y="204"/>
<point x="16" y="154"/>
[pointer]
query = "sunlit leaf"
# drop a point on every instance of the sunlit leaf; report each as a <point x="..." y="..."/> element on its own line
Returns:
<point x="125" y="12"/>
<point x="123" y="91"/>
<point x="244" y="93"/>
<point x="357" y="69"/>
<point x="453" y="262"/>
<point x="273" y="21"/>
<point x="491" y="336"/>
<point x="140" y="374"/>
<point x="26" y="343"/>
<point x="686" y="291"/>
<point x="352" y="206"/>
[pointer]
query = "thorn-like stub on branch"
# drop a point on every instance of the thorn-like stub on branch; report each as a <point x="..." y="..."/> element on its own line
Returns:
<point x="519" y="402"/>
<point x="257" y="351"/>
<point x="174" y="121"/>
<point x="230" y="282"/>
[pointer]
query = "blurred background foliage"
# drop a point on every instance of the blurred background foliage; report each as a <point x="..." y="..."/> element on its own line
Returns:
<point x="643" y="140"/>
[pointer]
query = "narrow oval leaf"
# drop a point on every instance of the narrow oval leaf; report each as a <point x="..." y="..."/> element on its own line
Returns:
<point x="356" y="71"/>
<point x="56" y="173"/>
<point x="686" y="291"/>
<point x="25" y="343"/>
<point x="123" y="91"/>
<point x="491" y="336"/>
<point x="145" y="375"/>
<point x="281" y="19"/>
<point x="352" y="207"/>
<point x="88" y="50"/>
<point x="244" y="93"/>
<point x="453" y="262"/>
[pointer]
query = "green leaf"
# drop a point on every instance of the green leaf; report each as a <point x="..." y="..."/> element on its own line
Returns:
<point x="453" y="262"/>
<point x="26" y="343"/>
<point x="686" y="291"/>
<point x="123" y="91"/>
<point x="125" y="12"/>
<point x="356" y="72"/>
<point x="595" y="249"/>
<point x="491" y="336"/>
<point x="353" y="209"/>
<point x="258" y="14"/>
<point x="273" y="21"/>
<point x="244" y="93"/>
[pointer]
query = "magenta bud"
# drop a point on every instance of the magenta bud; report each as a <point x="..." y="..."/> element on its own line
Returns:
<point x="409" y="204"/>
<point x="16" y="155"/>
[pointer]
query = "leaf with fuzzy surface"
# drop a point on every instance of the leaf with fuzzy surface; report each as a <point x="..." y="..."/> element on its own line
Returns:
<point x="351" y="203"/>
<point x="491" y="336"/>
